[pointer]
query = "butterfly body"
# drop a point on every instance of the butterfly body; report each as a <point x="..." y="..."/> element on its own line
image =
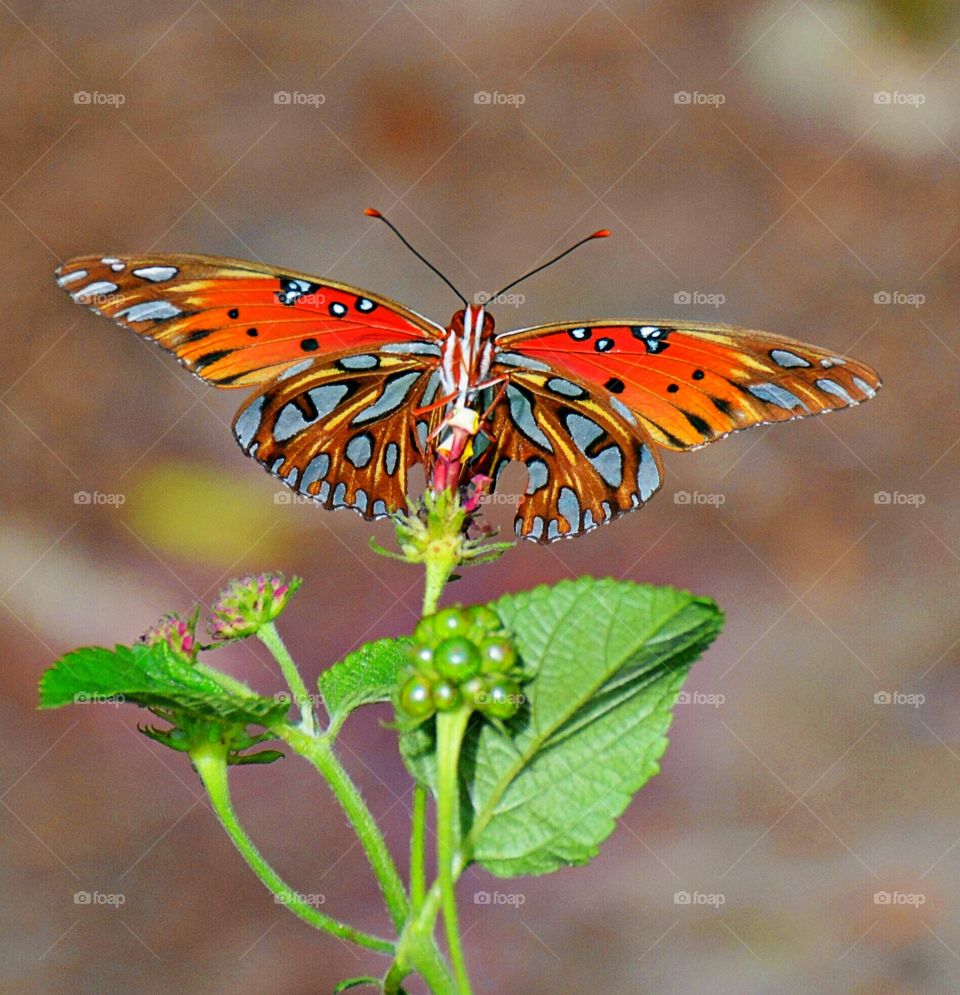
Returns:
<point x="349" y="390"/>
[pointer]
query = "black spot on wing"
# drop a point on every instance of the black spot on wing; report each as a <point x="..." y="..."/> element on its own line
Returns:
<point x="699" y="424"/>
<point x="211" y="357"/>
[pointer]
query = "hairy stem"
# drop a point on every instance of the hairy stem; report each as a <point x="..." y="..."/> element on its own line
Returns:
<point x="318" y="751"/>
<point x="211" y="763"/>
<point x="417" y="843"/>
<point x="270" y="638"/>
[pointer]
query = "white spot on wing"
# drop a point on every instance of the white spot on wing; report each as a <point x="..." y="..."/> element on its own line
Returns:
<point x="156" y="274"/>
<point x="786" y="359"/>
<point x="832" y="387"/>
<point x="150" y="311"/>
<point x="68" y="278"/>
<point x="93" y="289"/>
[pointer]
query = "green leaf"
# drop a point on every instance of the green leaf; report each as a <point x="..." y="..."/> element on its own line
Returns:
<point x="608" y="659"/>
<point x="153" y="677"/>
<point x="366" y="676"/>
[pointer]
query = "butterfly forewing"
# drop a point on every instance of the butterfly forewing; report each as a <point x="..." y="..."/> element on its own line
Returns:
<point x="234" y="323"/>
<point x="694" y="383"/>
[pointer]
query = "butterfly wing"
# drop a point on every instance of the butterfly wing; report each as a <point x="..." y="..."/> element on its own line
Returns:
<point x="586" y="462"/>
<point x="691" y="384"/>
<point x="235" y="323"/>
<point x="341" y="432"/>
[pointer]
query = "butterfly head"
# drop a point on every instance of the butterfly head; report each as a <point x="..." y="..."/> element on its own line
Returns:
<point x="477" y="316"/>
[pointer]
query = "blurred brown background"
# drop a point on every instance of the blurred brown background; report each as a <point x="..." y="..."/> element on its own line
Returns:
<point x="788" y="166"/>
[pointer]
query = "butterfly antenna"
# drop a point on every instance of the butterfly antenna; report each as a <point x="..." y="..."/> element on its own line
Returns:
<point x="603" y="233"/>
<point x="372" y="212"/>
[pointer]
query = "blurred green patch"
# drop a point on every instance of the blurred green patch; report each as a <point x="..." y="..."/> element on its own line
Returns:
<point x="921" y="22"/>
<point x="202" y="514"/>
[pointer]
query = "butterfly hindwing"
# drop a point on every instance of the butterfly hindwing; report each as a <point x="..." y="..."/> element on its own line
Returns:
<point x="343" y="432"/>
<point x="235" y="323"/>
<point x="586" y="462"/>
<point x="691" y="384"/>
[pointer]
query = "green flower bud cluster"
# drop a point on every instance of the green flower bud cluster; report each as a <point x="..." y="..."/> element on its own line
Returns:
<point x="461" y="656"/>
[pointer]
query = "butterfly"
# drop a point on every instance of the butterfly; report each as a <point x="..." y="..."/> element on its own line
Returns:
<point x="348" y="388"/>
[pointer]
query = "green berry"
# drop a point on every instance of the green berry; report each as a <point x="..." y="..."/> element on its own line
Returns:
<point x="421" y="657"/>
<point x="416" y="698"/>
<point x="457" y="659"/>
<point x="483" y="618"/>
<point x="473" y="690"/>
<point x="497" y="655"/>
<point x="450" y="622"/>
<point x="501" y="699"/>
<point x="446" y="696"/>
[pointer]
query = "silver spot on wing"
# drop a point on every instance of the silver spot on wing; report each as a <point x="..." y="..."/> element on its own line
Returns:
<point x="149" y="311"/>
<point x="304" y="364"/>
<point x="609" y="464"/>
<point x="390" y="456"/>
<point x="359" y="450"/>
<point x="290" y="421"/>
<point x="415" y="348"/>
<point x="569" y="506"/>
<point x="248" y="423"/>
<point x="524" y="362"/>
<point x="364" y="362"/>
<point x="774" y="394"/>
<point x="93" y="289"/>
<point x="786" y="358"/>
<point x="66" y="280"/>
<point x="648" y="476"/>
<point x="832" y="387"/>
<point x="537" y="475"/>
<point x="156" y="274"/>
<point x="394" y="394"/>
<point x="522" y="415"/>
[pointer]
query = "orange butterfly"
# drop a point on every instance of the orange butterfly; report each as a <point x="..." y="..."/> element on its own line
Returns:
<point x="348" y="386"/>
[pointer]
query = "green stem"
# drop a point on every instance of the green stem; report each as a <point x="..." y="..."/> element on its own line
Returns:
<point x="440" y="561"/>
<point x="270" y="638"/>
<point x="450" y="729"/>
<point x="317" y="750"/>
<point x="211" y="763"/>
<point x="417" y="841"/>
